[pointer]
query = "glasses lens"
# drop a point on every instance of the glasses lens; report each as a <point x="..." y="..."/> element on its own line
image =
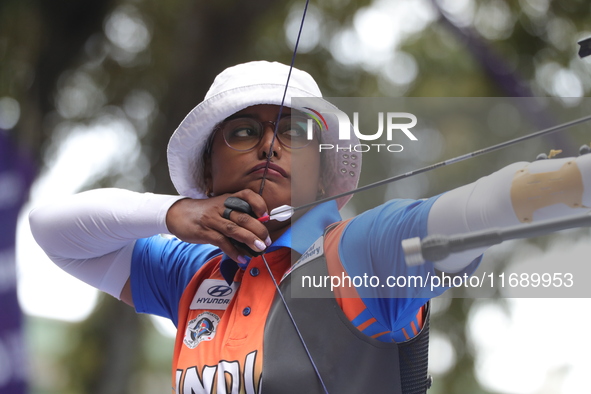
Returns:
<point x="242" y="133"/>
<point x="293" y="131"/>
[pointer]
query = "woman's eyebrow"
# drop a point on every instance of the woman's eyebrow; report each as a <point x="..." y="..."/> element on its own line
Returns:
<point x="237" y="116"/>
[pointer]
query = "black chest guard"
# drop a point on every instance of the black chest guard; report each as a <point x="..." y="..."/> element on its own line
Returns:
<point x="347" y="360"/>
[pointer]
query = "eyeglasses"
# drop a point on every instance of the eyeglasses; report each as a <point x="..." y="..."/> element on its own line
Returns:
<point x="244" y="134"/>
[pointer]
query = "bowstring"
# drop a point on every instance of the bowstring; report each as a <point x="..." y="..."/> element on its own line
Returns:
<point x="293" y="56"/>
<point x="269" y="156"/>
<point x="295" y="326"/>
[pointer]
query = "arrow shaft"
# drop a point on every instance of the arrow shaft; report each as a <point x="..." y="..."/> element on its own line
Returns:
<point x="452" y="161"/>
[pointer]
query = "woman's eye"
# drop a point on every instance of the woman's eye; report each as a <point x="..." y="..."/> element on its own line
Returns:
<point x="292" y="133"/>
<point x="244" y="133"/>
<point x="295" y="131"/>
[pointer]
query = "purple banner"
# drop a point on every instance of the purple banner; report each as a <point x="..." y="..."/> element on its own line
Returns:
<point x="16" y="175"/>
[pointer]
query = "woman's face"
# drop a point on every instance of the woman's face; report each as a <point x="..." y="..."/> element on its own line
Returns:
<point x="229" y="171"/>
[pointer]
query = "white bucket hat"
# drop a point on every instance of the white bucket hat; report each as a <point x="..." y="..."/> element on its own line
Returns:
<point x="237" y="88"/>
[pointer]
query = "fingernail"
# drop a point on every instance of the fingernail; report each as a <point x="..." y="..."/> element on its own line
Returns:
<point x="268" y="241"/>
<point x="242" y="260"/>
<point x="260" y="245"/>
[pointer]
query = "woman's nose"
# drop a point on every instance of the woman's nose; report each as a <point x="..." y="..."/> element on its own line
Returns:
<point x="267" y="141"/>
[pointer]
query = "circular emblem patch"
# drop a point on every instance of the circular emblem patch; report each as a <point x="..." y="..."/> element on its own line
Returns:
<point x="201" y="328"/>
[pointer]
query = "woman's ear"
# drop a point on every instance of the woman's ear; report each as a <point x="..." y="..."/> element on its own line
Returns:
<point x="321" y="192"/>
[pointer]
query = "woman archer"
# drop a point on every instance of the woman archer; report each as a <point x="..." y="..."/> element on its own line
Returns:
<point x="240" y="330"/>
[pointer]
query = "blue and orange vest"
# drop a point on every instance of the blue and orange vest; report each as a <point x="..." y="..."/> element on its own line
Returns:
<point x="240" y="339"/>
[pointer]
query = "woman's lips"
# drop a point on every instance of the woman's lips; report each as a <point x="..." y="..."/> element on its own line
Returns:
<point x="274" y="169"/>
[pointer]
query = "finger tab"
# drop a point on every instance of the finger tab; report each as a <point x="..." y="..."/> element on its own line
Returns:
<point x="238" y="204"/>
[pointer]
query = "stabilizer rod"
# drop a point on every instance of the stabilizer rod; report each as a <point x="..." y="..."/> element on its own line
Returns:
<point x="437" y="247"/>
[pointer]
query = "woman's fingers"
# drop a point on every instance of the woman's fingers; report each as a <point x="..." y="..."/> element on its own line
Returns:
<point x="245" y="229"/>
<point x="230" y="250"/>
<point x="202" y="221"/>
<point x="255" y="201"/>
<point x="245" y="221"/>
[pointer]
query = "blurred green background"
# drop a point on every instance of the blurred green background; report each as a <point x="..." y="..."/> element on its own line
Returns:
<point x="94" y="89"/>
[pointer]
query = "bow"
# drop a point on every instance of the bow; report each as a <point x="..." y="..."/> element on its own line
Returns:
<point x="284" y="212"/>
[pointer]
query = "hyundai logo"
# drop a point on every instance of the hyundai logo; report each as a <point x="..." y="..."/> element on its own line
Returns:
<point x="219" y="291"/>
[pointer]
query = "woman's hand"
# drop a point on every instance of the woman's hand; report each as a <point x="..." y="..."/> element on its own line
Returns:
<point x="201" y="221"/>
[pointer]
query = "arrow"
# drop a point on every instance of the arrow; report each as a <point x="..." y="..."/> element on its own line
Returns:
<point x="280" y="214"/>
<point x="457" y="159"/>
<point x="285" y="212"/>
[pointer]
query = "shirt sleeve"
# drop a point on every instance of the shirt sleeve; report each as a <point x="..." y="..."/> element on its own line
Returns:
<point x="161" y="269"/>
<point x="370" y="247"/>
